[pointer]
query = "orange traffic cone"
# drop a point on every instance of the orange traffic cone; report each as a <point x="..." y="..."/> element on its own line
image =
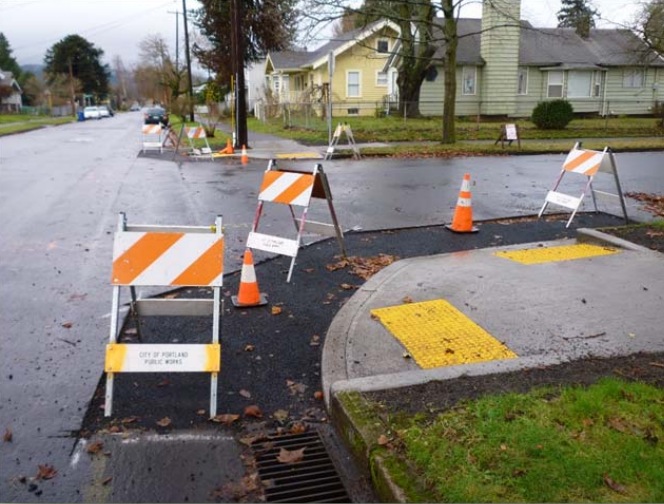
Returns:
<point x="249" y="295"/>
<point x="462" y="221"/>
<point x="228" y="149"/>
<point x="244" y="158"/>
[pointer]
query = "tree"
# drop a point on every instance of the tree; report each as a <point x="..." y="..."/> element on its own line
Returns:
<point x="650" y="25"/>
<point x="7" y="61"/>
<point x="267" y="25"/>
<point x="577" y="14"/>
<point x="79" y="59"/>
<point x="156" y="64"/>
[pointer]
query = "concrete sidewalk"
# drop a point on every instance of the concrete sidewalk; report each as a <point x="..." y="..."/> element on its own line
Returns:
<point x="546" y="313"/>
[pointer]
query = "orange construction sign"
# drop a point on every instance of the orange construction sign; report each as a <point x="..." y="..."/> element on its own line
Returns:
<point x="294" y="189"/>
<point x="588" y="163"/>
<point x="166" y="256"/>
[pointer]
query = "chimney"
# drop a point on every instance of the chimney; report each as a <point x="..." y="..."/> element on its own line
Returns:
<point x="501" y="30"/>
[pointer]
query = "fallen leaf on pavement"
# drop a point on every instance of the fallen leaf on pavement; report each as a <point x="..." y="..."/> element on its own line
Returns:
<point x="407" y="300"/>
<point x="253" y="411"/>
<point x="107" y="480"/>
<point x="226" y="418"/>
<point x="128" y="420"/>
<point x="249" y="348"/>
<point x="616" y="487"/>
<point x="318" y="395"/>
<point x="298" y="428"/>
<point x="8" y="436"/>
<point x="315" y="340"/>
<point x="245" y="393"/>
<point x="276" y="310"/>
<point x="280" y="415"/>
<point x="346" y="286"/>
<point x="296" y="388"/>
<point x="164" y="422"/>
<point x="67" y="325"/>
<point x="46" y="472"/>
<point x="95" y="447"/>
<point x="200" y="412"/>
<point x="290" y="457"/>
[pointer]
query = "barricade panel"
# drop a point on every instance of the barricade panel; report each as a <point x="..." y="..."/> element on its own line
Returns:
<point x="166" y="256"/>
<point x="588" y="163"/>
<point x="293" y="188"/>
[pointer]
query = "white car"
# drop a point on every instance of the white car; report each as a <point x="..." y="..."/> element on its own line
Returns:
<point x="103" y="111"/>
<point x="91" y="113"/>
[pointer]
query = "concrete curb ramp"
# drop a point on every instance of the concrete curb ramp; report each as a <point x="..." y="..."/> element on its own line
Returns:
<point x="560" y="310"/>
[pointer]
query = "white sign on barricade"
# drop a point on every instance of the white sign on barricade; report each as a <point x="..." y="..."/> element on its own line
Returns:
<point x="293" y="188"/>
<point x="166" y="256"/>
<point x="588" y="163"/>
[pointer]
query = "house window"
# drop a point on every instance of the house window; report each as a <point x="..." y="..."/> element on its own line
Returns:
<point x="381" y="79"/>
<point x="382" y="46"/>
<point x="353" y="84"/>
<point x="468" y="75"/>
<point x="522" y="87"/>
<point x="598" y="82"/>
<point x="579" y="84"/>
<point x="276" y="84"/>
<point x="555" y="84"/>
<point x="633" y="78"/>
<point x="353" y="111"/>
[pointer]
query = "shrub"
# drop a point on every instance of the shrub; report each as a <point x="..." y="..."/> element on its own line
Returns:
<point x="555" y="114"/>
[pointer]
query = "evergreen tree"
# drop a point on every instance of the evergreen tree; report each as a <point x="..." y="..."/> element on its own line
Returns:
<point x="76" y="57"/>
<point x="577" y="14"/>
<point x="267" y="25"/>
<point x="7" y="61"/>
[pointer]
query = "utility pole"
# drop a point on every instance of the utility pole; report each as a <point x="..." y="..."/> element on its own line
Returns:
<point x="177" y="39"/>
<point x="186" y="43"/>
<point x="71" y="89"/>
<point x="238" y="60"/>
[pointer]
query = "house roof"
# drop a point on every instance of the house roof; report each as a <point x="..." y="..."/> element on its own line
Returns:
<point x="468" y="49"/>
<point x="556" y="47"/>
<point x="292" y="60"/>
<point x="7" y="79"/>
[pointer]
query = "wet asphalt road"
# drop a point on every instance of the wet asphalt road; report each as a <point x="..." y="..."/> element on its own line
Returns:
<point x="60" y="191"/>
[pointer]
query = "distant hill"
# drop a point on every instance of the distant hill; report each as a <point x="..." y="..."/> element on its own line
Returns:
<point x="38" y="70"/>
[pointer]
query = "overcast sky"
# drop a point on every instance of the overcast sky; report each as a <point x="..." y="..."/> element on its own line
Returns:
<point x="117" y="26"/>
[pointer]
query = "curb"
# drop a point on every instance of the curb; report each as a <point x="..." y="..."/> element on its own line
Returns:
<point x="586" y="235"/>
<point x="352" y="415"/>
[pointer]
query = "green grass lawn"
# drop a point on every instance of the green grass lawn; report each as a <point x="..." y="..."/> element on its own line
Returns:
<point x="396" y="129"/>
<point x="17" y="123"/>
<point x="603" y="443"/>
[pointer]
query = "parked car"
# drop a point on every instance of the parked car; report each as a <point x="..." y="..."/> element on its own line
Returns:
<point x="106" y="111"/>
<point x="135" y="107"/>
<point x="91" y="113"/>
<point x="156" y="115"/>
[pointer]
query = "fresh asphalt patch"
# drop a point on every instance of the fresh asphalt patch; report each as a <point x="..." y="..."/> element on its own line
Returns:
<point x="271" y="356"/>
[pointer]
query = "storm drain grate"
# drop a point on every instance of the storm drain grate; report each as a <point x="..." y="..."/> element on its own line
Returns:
<point x="311" y="479"/>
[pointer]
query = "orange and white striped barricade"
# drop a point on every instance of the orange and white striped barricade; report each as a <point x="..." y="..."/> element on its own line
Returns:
<point x="166" y="256"/>
<point x="587" y="163"/>
<point x="198" y="133"/>
<point x="294" y="189"/>
<point x="151" y="136"/>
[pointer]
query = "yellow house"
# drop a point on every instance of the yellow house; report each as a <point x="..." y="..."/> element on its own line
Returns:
<point x="355" y="61"/>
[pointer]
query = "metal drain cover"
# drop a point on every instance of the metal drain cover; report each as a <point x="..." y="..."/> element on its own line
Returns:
<point x="312" y="479"/>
